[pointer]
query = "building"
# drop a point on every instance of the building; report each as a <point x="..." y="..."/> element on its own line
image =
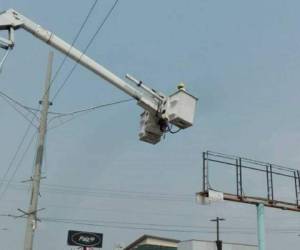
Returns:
<point x="149" y="242"/>
<point x="211" y="245"/>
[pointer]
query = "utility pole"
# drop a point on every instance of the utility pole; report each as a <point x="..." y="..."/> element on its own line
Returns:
<point x="218" y="242"/>
<point x="36" y="178"/>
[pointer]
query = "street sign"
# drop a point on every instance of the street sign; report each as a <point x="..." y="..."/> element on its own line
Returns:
<point x="85" y="239"/>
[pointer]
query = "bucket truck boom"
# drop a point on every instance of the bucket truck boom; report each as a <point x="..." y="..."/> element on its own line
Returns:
<point x="160" y="110"/>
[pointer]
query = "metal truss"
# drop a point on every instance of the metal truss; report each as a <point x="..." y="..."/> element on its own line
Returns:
<point x="240" y="163"/>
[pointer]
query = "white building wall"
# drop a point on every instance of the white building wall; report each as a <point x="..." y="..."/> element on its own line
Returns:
<point x="209" y="245"/>
<point x="159" y="242"/>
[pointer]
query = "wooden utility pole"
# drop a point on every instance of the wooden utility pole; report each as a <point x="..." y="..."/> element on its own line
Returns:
<point x="36" y="178"/>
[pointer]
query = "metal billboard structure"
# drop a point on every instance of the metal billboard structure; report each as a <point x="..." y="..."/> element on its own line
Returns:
<point x="243" y="168"/>
<point x="270" y="171"/>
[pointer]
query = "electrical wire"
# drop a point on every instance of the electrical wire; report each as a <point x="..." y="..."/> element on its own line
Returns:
<point x="115" y="195"/>
<point x="156" y="227"/>
<point x="23" y="115"/>
<point x="86" y="49"/>
<point x="114" y="190"/>
<point x="161" y="227"/>
<point x="70" y="207"/>
<point x="169" y="129"/>
<point x="15" y="155"/>
<point x="17" y="167"/>
<point x="134" y="226"/>
<point x="75" y="114"/>
<point x="72" y="45"/>
<point x="29" y="109"/>
<point x="112" y="194"/>
<point x="9" y="100"/>
<point x="95" y="107"/>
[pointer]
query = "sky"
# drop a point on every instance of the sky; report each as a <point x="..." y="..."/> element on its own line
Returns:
<point x="240" y="58"/>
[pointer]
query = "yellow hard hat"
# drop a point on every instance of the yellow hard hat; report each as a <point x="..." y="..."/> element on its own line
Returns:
<point x="181" y="86"/>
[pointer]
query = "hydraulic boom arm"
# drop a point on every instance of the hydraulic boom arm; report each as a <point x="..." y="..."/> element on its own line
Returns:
<point x="158" y="107"/>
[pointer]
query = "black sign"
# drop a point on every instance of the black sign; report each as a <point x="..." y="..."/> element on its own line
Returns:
<point x="85" y="239"/>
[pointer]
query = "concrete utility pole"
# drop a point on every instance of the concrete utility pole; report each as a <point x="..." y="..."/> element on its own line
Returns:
<point x="36" y="178"/>
<point x="218" y="242"/>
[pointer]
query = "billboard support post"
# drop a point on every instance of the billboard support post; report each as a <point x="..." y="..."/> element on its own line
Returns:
<point x="261" y="226"/>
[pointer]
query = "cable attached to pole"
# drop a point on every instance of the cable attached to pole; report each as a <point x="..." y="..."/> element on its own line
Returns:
<point x="4" y="59"/>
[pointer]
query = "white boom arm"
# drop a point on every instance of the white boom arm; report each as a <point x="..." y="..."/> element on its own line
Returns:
<point x="11" y="19"/>
<point x="156" y="104"/>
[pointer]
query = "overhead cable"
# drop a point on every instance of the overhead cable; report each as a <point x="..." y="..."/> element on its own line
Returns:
<point x="75" y="114"/>
<point x="93" y="108"/>
<point x="15" y="155"/>
<point x="86" y="49"/>
<point x="72" y="44"/>
<point x="18" y="165"/>
<point x="9" y="100"/>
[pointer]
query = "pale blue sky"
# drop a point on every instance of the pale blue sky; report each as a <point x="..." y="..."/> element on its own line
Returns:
<point x="240" y="58"/>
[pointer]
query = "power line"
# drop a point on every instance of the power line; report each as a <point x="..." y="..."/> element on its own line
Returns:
<point x="133" y="226"/>
<point x="23" y="115"/>
<point x="9" y="100"/>
<point x="56" y="206"/>
<point x="108" y="195"/>
<point x="29" y="109"/>
<point x="15" y="154"/>
<point x="82" y="111"/>
<point x="18" y="165"/>
<point x="116" y="194"/>
<point x="73" y="42"/>
<point x="157" y="227"/>
<point x="113" y="190"/>
<point x="85" y="50"/>
<point x="33" y="111"/>
<point x="128" y="225"/>
<point x="95" y="107"/>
